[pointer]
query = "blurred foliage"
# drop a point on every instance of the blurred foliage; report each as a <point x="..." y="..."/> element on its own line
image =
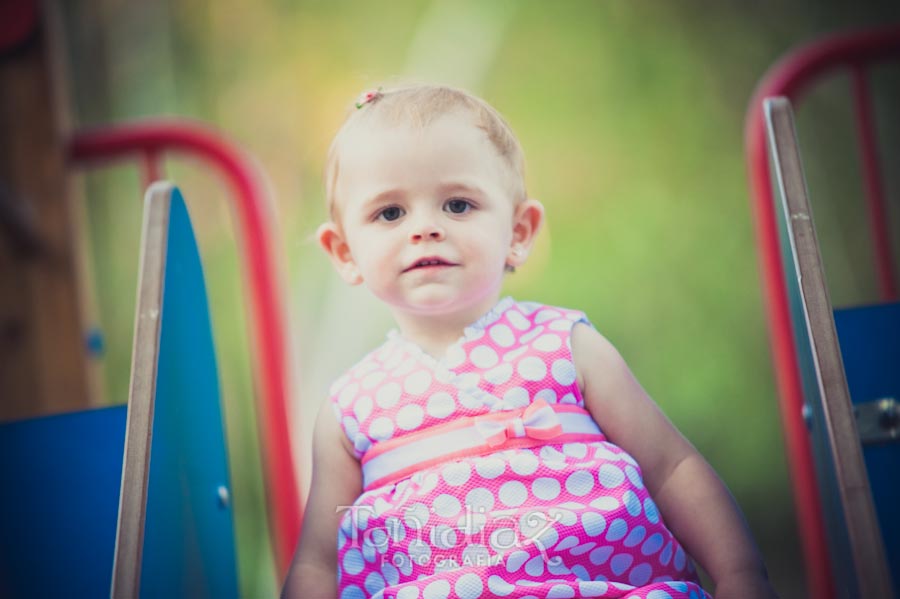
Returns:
<point x="631" y="115"/>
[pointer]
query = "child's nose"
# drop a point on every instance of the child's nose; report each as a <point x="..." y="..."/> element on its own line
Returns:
<point x="426" y="231"/>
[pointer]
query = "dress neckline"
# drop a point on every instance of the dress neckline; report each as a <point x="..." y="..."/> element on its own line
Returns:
<point x="470" y="332"/>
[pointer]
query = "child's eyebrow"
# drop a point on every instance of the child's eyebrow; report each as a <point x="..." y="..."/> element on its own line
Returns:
<point x="460" y="186"/>
<point x="381" y="197"/>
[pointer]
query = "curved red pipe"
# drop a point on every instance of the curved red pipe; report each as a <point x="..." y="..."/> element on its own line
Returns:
<point x="148" y="140"/>
<point x="791" y="77"/>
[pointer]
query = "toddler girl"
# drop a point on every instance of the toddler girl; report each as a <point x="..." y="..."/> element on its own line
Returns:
<point x="490" y="447"/>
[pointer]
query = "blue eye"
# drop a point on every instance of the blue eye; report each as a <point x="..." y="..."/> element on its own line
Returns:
<point x="391" y="213"/>
<point x="458" y="206"/>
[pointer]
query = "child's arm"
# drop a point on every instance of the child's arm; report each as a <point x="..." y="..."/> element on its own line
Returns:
<point x="694" y="502"/>
<point x="336" y="481"/>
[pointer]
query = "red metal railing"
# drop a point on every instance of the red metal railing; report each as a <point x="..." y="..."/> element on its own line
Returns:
<point x="149" y="141"/>
<point x="792" y="77"/>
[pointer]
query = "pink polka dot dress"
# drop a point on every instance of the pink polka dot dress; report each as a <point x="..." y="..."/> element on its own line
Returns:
<point x="484" y="476"/>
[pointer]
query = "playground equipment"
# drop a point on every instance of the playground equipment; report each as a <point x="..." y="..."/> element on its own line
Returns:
<point x="149" y="142"/>
<point x="46" y="459"/>
<point x="830" y="483"/>
<point x="62" y="475"/>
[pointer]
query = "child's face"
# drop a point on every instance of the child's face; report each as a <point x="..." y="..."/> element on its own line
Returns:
<point x="425" y="216"/>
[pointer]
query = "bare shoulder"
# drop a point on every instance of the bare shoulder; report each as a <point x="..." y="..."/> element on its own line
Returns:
<point x="328" y="433"/>
<point x="597" y="361"/>
<point x="611" y="392"/>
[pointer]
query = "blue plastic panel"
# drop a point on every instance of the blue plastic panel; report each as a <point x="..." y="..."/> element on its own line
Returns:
<point x="188" y="534"/>
<point x="870" y="348"/>
<point x="60" y="479"/>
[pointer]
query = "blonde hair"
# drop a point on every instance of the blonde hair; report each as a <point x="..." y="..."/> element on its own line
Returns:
<point x="418" y="106"/>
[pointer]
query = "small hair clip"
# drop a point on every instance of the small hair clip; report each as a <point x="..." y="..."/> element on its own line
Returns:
<point x="368" y="97"/>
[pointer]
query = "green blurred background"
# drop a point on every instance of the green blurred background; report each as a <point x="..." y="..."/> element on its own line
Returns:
<point x="631" y="115"/>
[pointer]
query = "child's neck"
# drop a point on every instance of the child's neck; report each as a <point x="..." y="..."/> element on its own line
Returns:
<point x="435" y="333"/>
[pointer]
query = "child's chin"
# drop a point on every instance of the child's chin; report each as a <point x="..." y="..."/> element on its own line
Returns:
<point x="433" y="304"/>
<point x="437" y="302"/>
<point x="434" y="301"/>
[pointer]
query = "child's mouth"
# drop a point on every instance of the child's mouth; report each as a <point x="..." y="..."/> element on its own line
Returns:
<point x="430" y="262"/>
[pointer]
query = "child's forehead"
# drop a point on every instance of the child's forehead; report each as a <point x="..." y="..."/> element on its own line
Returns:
<point x="442" y="149"/>
<point x="443" y="143"/>
<point x="461" y="122"/>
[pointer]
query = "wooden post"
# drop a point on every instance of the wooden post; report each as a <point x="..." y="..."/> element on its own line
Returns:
<point x="868" y="571"/>
<point x="126" y="578"/>
<point x="42" y="355"/>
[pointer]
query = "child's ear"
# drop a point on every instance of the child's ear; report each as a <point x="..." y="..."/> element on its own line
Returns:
<point x="527" y="221"/>
<point x="332" y="241"/>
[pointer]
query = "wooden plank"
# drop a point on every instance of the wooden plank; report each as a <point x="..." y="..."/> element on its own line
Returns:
<point x="872" y="578"/>
<point x="139" y="428"/>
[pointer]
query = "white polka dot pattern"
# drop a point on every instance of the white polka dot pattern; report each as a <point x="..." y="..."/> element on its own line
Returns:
<point x="559" y="520"/>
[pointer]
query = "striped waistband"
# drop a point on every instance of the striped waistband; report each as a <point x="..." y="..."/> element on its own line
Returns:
<point x="538" y="424"/>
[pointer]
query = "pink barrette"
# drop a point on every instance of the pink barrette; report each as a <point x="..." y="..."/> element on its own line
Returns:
<point x="368" y="97"/>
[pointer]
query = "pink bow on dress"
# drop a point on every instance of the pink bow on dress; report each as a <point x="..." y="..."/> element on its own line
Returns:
<point x="537" y="421"/>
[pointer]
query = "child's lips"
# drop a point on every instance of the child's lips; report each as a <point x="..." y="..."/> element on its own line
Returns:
<point x="429" y="262"/>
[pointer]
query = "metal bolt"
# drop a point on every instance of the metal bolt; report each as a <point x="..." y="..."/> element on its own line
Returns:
<point x="224" y="496"/>
<point x="888" y="413"/>
<point x="807" y="414"/>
